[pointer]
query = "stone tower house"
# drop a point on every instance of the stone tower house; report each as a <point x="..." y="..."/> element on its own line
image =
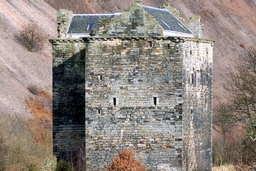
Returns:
<point x="140" y="80"/>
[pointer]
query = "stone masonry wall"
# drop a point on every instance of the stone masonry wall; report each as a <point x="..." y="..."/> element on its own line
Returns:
<point x="152" y="95"/>
<point x="197" y="107"/>
<point x="68" y="96"/>
<point x="134" y="100"/>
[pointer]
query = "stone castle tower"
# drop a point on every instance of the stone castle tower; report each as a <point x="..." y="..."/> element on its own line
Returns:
<point x="140" y="80"/>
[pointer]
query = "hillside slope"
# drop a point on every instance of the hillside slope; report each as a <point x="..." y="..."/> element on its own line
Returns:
<point x="19" y="68"/>
<point x="231" y="23"/>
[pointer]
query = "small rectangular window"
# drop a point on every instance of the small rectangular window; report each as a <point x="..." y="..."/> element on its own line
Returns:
<point x="198" y="77"/>
<point x="168" y="46"/>
<point x="99" y="111"/>
<point x="150" y="44"/>
<point x="114" y="101"/>
<point x="155" y="100"/>
<point x="90" y="27"/>
<point x="100" y="77"/>
<point x="192" y="79"/>
<point x="180" y="108"/>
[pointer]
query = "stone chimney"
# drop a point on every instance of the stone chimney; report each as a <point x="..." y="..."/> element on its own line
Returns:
<point x="195" y="26"/>
<point x="138" y="1"/>
<point x="63" y="20"/>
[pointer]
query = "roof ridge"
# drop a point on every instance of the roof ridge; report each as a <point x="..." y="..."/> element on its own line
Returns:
<point x="96" y="14"/>
<point x="162" y="9"/>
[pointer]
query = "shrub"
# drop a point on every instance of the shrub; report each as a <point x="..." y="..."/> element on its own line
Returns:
<point x="79" y="164"/>
<point x="248" y="151"/>
<point x="126" y="161"/>
<point x="3" y="151"/>
<point x="34" y="89"/>
<point x="17" y="149"/>
<point x="62" y="165"/>
<point x="31" y="37"/>
<point x="73" y="161"/>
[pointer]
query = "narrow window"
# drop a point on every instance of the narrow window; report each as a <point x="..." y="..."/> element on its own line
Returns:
<point x="180" y="108"/>
<point x="192" y="79"/>
<point x="100" y="77"/>
<point x="99" y="111"/>
<point x="150" y="44"/>
<point x="198" y="77"/>
<point x="190" y="52"/>
<point x="155" y="100"/>
<point x="114" y="101"/>
<point x="168" y="46"/>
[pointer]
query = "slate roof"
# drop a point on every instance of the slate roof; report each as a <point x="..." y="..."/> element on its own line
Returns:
<point x="166" y="19"/>
<point x="84" y="23"/>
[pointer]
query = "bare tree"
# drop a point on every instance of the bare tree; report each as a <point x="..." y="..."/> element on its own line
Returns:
<point x="241" y="106"/>
<point x="31" y="37"/>
<point x="241" y="87"/>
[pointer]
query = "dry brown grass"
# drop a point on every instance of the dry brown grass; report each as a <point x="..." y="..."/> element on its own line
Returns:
<point x="224" y="168"/>
<point x="126" y="161"/>
<point x="40" y="107"/>
<point x="18" y="150"/>
<point x="234" y="168"/>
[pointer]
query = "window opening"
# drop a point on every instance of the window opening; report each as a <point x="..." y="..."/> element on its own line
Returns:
<point x="155" y="100"/>
<point x="90" y="27"/>
<point x="198" y="77"/>
<point x="114" y="101"/>
<point x="100" y="77"/>
<point x="150" y="44"/>
<point x="192" y="79"/>
<point x="180" y="108"/>
<point x="99" y="111"/>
